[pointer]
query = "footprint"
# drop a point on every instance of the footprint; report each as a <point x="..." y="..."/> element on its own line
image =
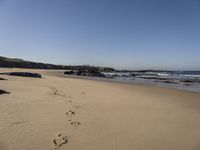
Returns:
<point x="17" y="122"/>
<point x="70" y="112"/>
<point x="83" y="93"/>
<point x="75" y="124"/>
<point x="60" y="140"/>
<point x="75" y="106"/>
<point x="56" y="92"/>
<point x="69" y="101"/>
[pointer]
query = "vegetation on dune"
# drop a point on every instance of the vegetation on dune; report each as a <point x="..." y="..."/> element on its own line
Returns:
<point x="20" y="63"/>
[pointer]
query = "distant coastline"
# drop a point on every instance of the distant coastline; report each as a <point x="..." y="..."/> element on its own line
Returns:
<point x="184" y="80"/>
<point x="6" y="62"/>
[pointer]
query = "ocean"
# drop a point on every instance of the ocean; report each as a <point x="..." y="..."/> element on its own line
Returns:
<point x="182" y="80"/>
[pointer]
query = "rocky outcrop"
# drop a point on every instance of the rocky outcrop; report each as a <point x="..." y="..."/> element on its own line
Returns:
<point x="23" y="74"/>
<point x="3" y="92"/>
<point x="89" y="73"/>
<point x="133" y="74"/>
<point x="191" y="81"/>
<point x="168" y="81"/>
<point x="69" y="72"/>
<point x="2" y="78"/>
<point x="153" y="78"/>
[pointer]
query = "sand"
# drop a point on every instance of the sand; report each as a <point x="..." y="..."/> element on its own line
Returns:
<point x="74" y="114"/>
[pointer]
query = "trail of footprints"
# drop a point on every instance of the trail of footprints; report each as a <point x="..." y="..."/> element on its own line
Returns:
<point x="60" y="139"/>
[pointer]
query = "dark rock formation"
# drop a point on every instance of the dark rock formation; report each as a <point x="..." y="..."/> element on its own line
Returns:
<point x="187" y="81"/>
<point x="166" y="81"/>
<point x="125" y="76"/>
<point x="2" y="78"/>
<point x="191" y="81"/>
<point x="154" y="78"/>
<point x="115" y="75"/>
<point x="90" y="73"/>
<point x="69" y="72"/>
<point x="3" y="92"/>
<point x="80" y="73"/>
<point x="172" y="82"/>
<point x="111" y="76"/>
<point x="133" y="74"/>
<point x="24" y="74"/>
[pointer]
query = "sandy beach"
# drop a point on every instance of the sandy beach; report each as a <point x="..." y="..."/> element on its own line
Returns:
<point x="64" y="113"/>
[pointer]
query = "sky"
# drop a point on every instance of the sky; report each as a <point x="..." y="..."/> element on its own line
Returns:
<point x="124" y="34"/>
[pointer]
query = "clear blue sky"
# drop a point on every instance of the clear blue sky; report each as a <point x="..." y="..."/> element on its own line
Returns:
<point x="125" y="34"/>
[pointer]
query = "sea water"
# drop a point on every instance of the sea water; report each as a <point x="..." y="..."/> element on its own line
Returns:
<point x="183" y="80"/>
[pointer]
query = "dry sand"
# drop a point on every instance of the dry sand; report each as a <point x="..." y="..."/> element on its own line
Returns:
<point x="74" y="114"/>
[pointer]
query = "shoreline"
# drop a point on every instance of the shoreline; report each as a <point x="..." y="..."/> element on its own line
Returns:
<point x="60" y="73"/>
<point x="108" y="80"/>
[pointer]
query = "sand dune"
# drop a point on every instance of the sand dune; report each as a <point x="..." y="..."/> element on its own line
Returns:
<point x="74" y="114"/>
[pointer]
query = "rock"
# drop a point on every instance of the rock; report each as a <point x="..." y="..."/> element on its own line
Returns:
<point x="3" y="92"/>
<point x="115" y="75"/>
<point x="2" y="79"/>
<point x="133" y="74"/>
<point x="24" y="74"/>
<point x="191" y="81"/>
<point x="90" y="73"/>
<point x="80" y="73"/>
<point x="69" y="72"/>
<point x="187" y="81"/>
<point x="111" y="76"/>
<point x="153" y="78"/>
<point x="172" y="82"/>
<point x="95" y="73"/>
<point x="125" y="76"/>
